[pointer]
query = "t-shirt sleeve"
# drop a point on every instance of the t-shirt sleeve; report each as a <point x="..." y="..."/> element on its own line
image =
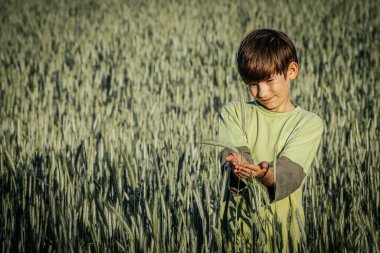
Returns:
<point x="231" y="133"/>
<point x="230" y="130"/>
<point x="294" y="161"/>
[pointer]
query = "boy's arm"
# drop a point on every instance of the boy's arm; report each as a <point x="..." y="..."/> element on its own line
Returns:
<point x="294" y="161"/>
<point x="292" y="164"/>
<point x="231" y="133"/>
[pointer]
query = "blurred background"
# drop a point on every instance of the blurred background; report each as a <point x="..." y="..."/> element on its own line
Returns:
<point x="104" y="104"/>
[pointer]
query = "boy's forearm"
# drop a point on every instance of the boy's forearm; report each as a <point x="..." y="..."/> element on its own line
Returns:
<point x="289" y="178"/>
<point x="268" y="179"/>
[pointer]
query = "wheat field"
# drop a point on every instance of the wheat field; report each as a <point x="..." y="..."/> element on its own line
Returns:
<point x="104" y="104"/>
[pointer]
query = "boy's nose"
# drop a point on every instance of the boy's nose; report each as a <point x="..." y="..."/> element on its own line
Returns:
<point x="262" y="91"/>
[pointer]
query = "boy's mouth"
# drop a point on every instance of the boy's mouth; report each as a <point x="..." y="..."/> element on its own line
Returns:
<point x="268" y="100"/>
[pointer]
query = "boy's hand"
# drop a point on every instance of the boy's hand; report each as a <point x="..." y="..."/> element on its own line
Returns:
<point x="244" y="169"/>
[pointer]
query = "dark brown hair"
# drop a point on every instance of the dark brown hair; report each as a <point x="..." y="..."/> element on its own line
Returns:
<point x="265" y="52"/>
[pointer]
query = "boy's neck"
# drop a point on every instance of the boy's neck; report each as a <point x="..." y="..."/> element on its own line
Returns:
<point x="288" y="107"/>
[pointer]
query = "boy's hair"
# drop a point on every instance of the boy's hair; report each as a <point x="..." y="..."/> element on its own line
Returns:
<point x="265" y="52"/>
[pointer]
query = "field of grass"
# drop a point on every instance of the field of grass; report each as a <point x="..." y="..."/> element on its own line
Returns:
<point x="103" y="106"/>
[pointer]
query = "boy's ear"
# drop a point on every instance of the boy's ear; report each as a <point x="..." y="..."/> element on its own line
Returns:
<point x="292" y="70"/>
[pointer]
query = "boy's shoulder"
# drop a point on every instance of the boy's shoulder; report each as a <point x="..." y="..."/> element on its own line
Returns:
<point x="236" y="106"/>
<point x="309" y="120"/>
<point x="311" y="117"/>
<point x="232" y="108"/>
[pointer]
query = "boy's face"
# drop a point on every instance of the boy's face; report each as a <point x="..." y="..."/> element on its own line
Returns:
<point x="274" y="93"/>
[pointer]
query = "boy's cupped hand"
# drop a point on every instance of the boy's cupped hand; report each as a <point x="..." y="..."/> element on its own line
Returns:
<point x="244" y="169"/>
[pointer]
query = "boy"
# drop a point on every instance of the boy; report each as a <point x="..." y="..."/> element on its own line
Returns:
<point x="276" y="146"/>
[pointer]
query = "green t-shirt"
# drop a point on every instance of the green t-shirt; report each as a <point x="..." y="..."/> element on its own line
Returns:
<point x="289" y="140"/>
